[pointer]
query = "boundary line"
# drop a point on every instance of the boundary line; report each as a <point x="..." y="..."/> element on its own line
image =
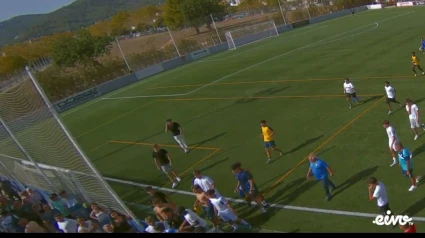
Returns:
<point x="280" y="81"/>
<point x="278" y="206"/>
<point x="321" y="145"/>
<point x="263" y="97"/>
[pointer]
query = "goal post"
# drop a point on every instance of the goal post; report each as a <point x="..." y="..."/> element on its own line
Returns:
<point x="249" y="34"/>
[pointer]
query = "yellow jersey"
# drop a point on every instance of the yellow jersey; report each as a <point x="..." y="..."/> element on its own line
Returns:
<point x="267" y="133"/>
<point x="415" y="60"/>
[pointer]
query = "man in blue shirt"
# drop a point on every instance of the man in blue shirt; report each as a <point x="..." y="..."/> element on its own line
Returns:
<point x="321" y="171"/>
<point x="406" y="164"/>
<point x="247" y="185"/>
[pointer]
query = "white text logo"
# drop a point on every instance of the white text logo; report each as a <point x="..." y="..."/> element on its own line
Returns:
<point x="389" y="220"/>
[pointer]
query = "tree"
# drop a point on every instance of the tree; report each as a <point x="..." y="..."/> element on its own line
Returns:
<point x="196" y="12"/>
<point x="8" y="64"/>
<point x="173" y="16"/>
<point x="82" y="49"/>
<point x="120" y="24"/>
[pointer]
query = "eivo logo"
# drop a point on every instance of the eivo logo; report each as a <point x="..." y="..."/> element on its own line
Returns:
<point x="388" y="220"/>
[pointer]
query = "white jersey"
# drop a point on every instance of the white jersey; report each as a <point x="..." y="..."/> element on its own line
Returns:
<point x="380" y="194"/>
<point x="349" y="88"/>
<point x="413" y="111"/>
<point x="390" y="91"/>
<point x="220" y="204"/>
<point x="194" y="220"/>
<point x="391" y="134"/>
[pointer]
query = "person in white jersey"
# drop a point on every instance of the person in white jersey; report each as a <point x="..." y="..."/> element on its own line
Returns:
<point x="413" y="112"/>
<point x="205" y="182"/>
<point x="378" y="191"/>
<point x="225" y="211"/>
<point x="191" y="220"/>
<point x="392" y="140"/>
<point x="390" y="91"/>
<point x="350" y="92"/>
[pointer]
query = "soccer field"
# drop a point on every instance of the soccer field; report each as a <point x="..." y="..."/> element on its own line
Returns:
<point x="293" y="81"/>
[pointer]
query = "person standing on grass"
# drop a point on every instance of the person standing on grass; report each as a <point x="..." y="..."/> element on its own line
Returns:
<point x="247" y="183"/>
<point x="350" y="92"/>
<point x="163" y="162"/>
<point x="390" y="91"/>
<point x="416" y="64"/>
<point x="177" y="132"/>
<point x="406" y="164"/>
<point x="413" y="112"/>
<point x="267" y="134"/>
<point x="378" y="191"/>
<point x="202" y="200"/>
<point x="392" y="140"/>
<point x="205" y="182"/>
<point x="321" y="171"/>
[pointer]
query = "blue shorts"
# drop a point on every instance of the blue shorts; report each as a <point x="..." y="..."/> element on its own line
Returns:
<point x="404" y="172"/>
<point x="269" y="144"/>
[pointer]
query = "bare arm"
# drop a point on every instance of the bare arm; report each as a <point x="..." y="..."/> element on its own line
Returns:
<point x="308" y="173"/>
<point x="169" y="158"/>
<point x="417" y="115"/>
<point x="370" y="193"/>
<point x="331" y="173"/>
<point x="183" y="225"/>
<point x="237" y="187"/>
<point x="92" y="215"/>
<point x="166" y="128"/>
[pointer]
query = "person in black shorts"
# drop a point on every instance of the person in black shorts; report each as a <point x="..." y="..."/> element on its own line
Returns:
<point x="177" y="132"/>
<point x="163" y="162"/>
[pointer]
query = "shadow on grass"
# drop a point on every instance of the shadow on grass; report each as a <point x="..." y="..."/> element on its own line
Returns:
<point x="414" y="208"/>
<point x="371" y="99"/>
<point x="320" y="153"/>
<point x="269" y="91"/>
<point x="293" y="190"/>
<point x="304" y="144"/>
<point x="360" y="176"/>
<point x="199" y="144"/>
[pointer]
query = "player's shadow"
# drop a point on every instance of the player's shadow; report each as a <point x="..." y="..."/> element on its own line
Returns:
<point x="371" y="99"/>
<point x="325" y="150"/>
<point x="199" y="144"/>
<point x="360" y="176"/>
<point x="414" y="208"/>
<point x="293" y="190"/>
<point x="256" y="96"/>
<point x="419" y="150"/>
<point x="304" y="144"/>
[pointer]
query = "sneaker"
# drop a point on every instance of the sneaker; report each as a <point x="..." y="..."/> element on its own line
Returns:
<point x="186" y="151"/>
<point x="178" y="179"/>
<point x="349" y="107"/>
<point x="281" y="153"/>
<point x="269" y="161"/>
<point x="423" y="73"/>
<point x="389" y="113"/>
<point x="412" y="188"/>
<point x="394" y="163"/>
<point x="417" y="180"/>
<point x="328" y="198"/>
<point x="263" y="210"/>
<point x="416" y="137"/>
<point x="174" y="185"/>
<point x="332" y="189"/>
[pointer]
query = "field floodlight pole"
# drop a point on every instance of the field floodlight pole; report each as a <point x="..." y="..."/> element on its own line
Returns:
<point x="174" y="42"/>
<point x="26" y="153"/>
<point x="216" y="30"/>
<point x="74" y="143"/>
<point x="122" y="54"/>
<point x="281" y="12"/>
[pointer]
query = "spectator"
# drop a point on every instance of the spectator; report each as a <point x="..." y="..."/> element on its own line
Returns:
<point x="58" y="204"/>
<point x="66" y="225"/>
<point x="35" y="196"/>
<point x="47" y="215"/>
<point x="108" y="228"/>
<point x="158" y="195"/>
<point x="99" y="214"/>
<point x="173" y="220"/>
<point x="120" y="223"/>
<point x="9" y="222"/>
<point x="87" y="226"/>
<point x="151" y="225"/>
<point x="73" y="204"/>
<point x="160" y="228"/>
<point x="158" y="206"/>
<point x="7" y="190"/>
<point x="30" y="226"/>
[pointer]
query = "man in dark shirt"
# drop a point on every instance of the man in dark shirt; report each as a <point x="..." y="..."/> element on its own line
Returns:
<point x="163" y="162"/>
<point x="177" y="132"/>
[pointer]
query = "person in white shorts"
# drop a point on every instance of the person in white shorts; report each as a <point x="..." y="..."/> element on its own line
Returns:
<point x="392" y="140"/>
<point x="225" y="211"/>
<point x="177" y="132"/>
<point x="413" y="112"/>
<point x="191" y="220"/>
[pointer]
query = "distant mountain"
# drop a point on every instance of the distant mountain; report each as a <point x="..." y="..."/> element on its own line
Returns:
<point x="80" y="13"/>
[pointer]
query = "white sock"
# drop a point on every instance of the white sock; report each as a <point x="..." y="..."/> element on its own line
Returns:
<point x="394" y="159"/>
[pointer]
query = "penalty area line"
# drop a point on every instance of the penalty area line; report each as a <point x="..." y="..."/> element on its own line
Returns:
<point x="277" y="206"/>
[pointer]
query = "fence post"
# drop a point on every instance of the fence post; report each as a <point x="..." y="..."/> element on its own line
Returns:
<point x="100" y="178"/>
<point x="281" y="12"/>
<point x="123" y="55"/>
<point x="25" y="152"/>
<point x="215" y="27"/>
<point x="174" y="42"/>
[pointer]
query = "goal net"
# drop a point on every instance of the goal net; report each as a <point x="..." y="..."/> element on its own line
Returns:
<point x="37" y="150"/>
<point x="246" y="35"/>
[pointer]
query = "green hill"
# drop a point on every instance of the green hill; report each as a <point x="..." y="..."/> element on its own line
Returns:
<point x="79" y="14"/>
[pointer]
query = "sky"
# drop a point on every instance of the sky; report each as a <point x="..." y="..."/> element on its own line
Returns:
<point x="12" y="8"/>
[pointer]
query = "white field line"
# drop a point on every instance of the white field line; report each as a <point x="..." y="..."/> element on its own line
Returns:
<point x="279" y="206"/>
<point x="71" y="111"/>
<point x="252" y="66"/>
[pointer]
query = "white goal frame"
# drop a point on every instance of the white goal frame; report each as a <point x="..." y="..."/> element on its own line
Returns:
<point x="249" y="34"/>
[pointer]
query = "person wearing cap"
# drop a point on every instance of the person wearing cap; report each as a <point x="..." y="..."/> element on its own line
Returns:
<point x="350" y="92"/>
<point x="177" y="132"/>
